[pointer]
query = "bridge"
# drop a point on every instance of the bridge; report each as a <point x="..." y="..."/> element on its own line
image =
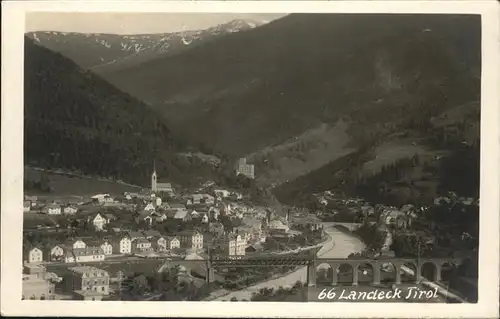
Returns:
<point x="399" y="266"/>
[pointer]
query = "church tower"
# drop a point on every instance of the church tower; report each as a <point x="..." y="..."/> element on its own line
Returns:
<point x="153" y="178"/>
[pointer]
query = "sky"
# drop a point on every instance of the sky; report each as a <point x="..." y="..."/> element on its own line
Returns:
<point x="133" y="23"/>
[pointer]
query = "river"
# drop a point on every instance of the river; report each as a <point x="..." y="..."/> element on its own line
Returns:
<point x="339" y="245"/>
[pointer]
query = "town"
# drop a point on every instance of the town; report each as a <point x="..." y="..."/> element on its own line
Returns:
<point x="152" y="224"/>
<point x="96" y="248"/>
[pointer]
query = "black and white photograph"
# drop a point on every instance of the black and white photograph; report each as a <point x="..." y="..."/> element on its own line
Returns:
<point x="293" y="157"/>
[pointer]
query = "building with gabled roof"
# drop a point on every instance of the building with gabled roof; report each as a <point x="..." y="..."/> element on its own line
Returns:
<point x="88" y="254"/>
<point x="87" y="282"/>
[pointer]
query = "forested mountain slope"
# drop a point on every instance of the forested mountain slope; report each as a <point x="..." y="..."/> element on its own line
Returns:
<point x="246" y="91"/>
<point x="75" y="120"/>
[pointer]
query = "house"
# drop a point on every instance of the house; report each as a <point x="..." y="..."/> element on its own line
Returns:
<point x="125" y="245"/>
<point x="197" y="199"/>
<point x="109" y="217"/>
<point x="277" y="226"/>
<point x="56" y="253"/>
<point x="144" y="216"/>
<point x="204" y="219"/>
<point x="193" y="213"/>
<point x="149" y="207"/>
<point x="160" y="244"/>
<point x="208" y="199"/>
<point x="182" y="215"/>
<point x="158" y="202"/>
<point x="52" y="209"/>
<point x="36" y="283"/>
<point x="213" y="213"/>
<point x="442" y="200"/>
<point x="191" y="239"/>
<point x="134" y="235"/>
<point x="172" y="242"/>
<point x="35" y="255"/>
<point x="107" y="248"/>
<point x="368" y="210"/>
<point x="246" y="232"/>
<point x="88" y="254"/>
<point x="159" y="217"/>
<point x="245" y="169"/>
<point x="26" y="206"/>
<point x="32" y="199"/>
<point x="255" y="223"/>
<point x="99" y="222"/>
<point x="468" y="201"/>
<point x="75" y="243"/>
<point x="148" y="234"/>
<point x="221" y="193"/>
<point x="141" y="245"/>
<point x="70" y="210"/>
<point x="79" y="244"/>
<point x="69" y="256"/>
<point x="102" y="198"/>
<point x="230" y="245"/>
<point x="390" y="216"/>
<point x="254" y="248"/>
<point x="89" y="283"/>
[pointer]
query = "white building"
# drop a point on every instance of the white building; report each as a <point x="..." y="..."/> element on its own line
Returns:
<point x="88" y="254"/>
<point x="158" y="201"/>
<point x="70" y="210"/>
<point x="99" y="222"/>
<point x="191" y="239"/>
<point x="161" y="244"/>
<point x="172" y="242"/>
<point x="278" y="226"/>
<point x="204" y="219"/>
<point x="222" y="193"/>
<point x="125" y="245"/>
<point x="35" y="255"/>
<point x="52" y="209"/>
<point x="56" y="253"/>
<point x="102" y="198"/>
<point x="231" y="244"/>
<point x="36" y="283"/>
<point x="69" y="257"/>
<point x="245" y="169"/>
<point x="141" y="245"/>
<point x="107" y="248"/>
<point x="79" y="244"/>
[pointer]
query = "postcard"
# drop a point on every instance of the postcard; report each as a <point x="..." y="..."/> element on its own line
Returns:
<point x="250" y="159"/>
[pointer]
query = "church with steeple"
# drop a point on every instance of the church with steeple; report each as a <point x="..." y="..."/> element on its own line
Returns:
<point x="158" y="187"/>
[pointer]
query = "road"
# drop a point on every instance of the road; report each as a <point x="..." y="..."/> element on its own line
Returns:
<point x="340" y="245"/>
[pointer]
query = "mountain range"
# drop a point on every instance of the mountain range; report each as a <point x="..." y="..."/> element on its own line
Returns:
<point x="273" y="83"/>
<point x="316" y="100"/>
<point x="103" y="53"/>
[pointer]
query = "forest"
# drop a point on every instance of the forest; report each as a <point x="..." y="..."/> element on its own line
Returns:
<point x="75" y="120"/>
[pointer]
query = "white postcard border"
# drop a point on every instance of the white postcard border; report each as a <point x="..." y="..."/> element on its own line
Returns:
<point x="13" y="24"/>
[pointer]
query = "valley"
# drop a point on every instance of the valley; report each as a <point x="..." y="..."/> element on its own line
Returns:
<point x="361" y="101"/>
<point x="200" y="164"/>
